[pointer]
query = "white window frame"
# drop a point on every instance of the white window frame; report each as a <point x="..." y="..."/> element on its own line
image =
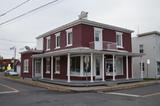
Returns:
<point x="121" y="39"/>
<point x="122" y="73"/>
<point x="69" y="31"/>
<point x="56" y="46"/>
<point x="99" y="31"/>
<point x="26" y="66"/>
<point x="48" y="44"/>
<point x="56" y="65"/>
<point x="48" y="71"/>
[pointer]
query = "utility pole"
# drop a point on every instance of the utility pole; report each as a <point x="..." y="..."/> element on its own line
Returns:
<point x="14" y="57"/>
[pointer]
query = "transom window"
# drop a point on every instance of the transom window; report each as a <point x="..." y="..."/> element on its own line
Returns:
<point x="57" y="40"/>
<point x="26" y="66"/>
<point x="57" y="65"/>
<point x="141" y="48"/>
<point x="69" y="37"/>
<point x="48" y="43"/>
<point x="119" y="40"/>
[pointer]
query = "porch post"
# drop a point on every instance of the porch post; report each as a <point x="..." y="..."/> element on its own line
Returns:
<point x="51" y="67"/>
<point x="42" y="68"/>
<point x="33" y="69"/>
<point x="113" y="67"/>
<point x="103" y="74"/>
<point x="68" y="68"/>
<point x="81" y="65"/>
<point x="91" y="67"/>
<point x="141" y="65"/>
<point x="127" y="68"/>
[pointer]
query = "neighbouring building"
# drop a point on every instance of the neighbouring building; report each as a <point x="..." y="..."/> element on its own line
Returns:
<point x="5" y="62"/>
<point x="81" y="50"/>
<point x="148" y="43"/>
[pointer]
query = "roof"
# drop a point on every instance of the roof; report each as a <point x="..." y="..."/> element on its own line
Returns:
<point x="86" y="22"/>
<point x="85" y="50"/>
<point x="149" y="33"/>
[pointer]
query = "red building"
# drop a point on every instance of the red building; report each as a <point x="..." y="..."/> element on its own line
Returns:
<point x="79" y="50"/>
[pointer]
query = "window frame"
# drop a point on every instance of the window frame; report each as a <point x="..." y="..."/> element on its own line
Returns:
<point x="120" y="34"/>
<point x="141" y="48"/>
<point x="48" y="43"/>
<point x="67" y="36"/>
<point x="57" y="65"/>
<point x="56" y="40"/>
<point x="75" y="72"/>
<point x="48" y="65"/>
<point x="26" y="65"/>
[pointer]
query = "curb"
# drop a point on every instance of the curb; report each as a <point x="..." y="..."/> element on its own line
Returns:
<point x="129" y="86"/>
<point x="59" y="88"/>
<point x="51" y="87"/>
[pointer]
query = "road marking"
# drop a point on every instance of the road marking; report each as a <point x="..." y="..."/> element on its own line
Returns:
<point x="13" y="89"/>
<point x="152" y="94"/>
<point x="123" y="94"/>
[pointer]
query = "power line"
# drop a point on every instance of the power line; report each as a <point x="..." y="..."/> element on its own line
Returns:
<point x="14" y="41"/>
<point x="3" y="14"/>
<point x="29" y="12"/>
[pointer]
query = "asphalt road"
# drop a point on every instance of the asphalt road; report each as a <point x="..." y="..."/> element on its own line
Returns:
<point x="25" y="95"/>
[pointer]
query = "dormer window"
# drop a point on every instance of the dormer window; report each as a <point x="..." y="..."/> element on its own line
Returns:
<point x="48" y="46"/>
<point x="119" y="40"/>
<point x="58" y="40"/>
<point x="69" y="37"/>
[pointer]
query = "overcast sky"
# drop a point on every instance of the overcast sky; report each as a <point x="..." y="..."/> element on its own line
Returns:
<point x="129" y="14"/>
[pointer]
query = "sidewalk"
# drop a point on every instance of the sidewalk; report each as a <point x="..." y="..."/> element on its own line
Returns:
<point x="61" y="88"/>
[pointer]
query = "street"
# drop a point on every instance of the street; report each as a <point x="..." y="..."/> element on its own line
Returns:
<point x="17" y="94"/>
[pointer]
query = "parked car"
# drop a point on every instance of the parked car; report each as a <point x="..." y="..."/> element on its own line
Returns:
<point x="11" y="72"/>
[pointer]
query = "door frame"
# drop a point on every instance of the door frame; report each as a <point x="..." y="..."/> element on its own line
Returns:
<point x="99" y="57"/>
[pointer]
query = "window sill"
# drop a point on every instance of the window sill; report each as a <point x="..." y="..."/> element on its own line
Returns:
<point x="25" y="72"/>
<point x="57" y="72"/>
<point x="47" y="72"/>
<point x="57" y="48"/>
<point x="48" y="49"/>
<point x="69" y="45"/>
<point x="121" y="47"/>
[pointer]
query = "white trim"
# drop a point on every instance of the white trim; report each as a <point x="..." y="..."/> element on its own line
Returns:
<point x="69" y="31"/>
<point x="127" y="76"/>
<point x="114" y="74"/>
<point x="47" y="46"/>
<point x="103" y="75"/>
<point x="26" y="66"/>
<point x="57" y="35"/>
<point x="68" y="68"/>
<point x="42" y="68"/>
<point x="91" y="67"/>
<point x="51" y="67"/>
<point x="98" y="44"/>
<point x="81" y="65"/>
<point x="119" y="34"/>
<point x="57" y="71"/>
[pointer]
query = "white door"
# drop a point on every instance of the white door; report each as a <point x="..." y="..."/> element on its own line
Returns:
<point x="98" y="43"/>
<point x="98" y="68"/>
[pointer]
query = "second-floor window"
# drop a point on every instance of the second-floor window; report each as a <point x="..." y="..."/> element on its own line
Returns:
<point x="48" y="43"/>
<point x="119" y="40"/>
<point x="141" y="49"/>
<point x="69" y="37"/>
<point x="57" y="40"/>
